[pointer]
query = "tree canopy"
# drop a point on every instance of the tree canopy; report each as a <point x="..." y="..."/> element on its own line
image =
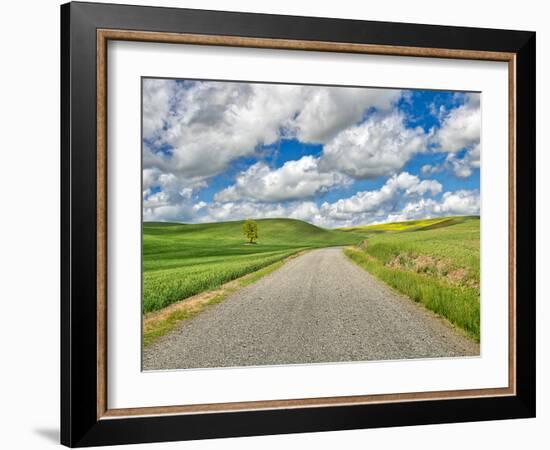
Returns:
<point x="250" y="230"/>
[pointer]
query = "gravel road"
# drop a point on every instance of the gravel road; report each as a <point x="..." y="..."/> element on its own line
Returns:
<point x="318" y="307"/>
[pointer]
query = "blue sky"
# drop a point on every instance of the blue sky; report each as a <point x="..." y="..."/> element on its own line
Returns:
<point x="333" y="156"/>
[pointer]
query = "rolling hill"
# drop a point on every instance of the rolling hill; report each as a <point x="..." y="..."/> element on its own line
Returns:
<point x="181" y="260"/>
<point x="410" y="225"/>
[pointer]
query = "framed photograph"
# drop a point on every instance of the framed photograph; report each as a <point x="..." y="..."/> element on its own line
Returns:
<point x="276" y="224"/>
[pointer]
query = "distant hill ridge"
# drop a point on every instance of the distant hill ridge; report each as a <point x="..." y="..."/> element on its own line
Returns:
<point x="303" y="226"/>
<point x="411" y="225"/>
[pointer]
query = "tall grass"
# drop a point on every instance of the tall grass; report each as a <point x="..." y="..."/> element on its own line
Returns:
<point x="163" y="287"/>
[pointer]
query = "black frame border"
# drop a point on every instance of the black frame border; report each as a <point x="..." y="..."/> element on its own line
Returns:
<point x="79" y="423"/>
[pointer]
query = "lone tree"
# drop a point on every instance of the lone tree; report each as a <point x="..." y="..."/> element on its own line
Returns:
<point x="250" y="230"/>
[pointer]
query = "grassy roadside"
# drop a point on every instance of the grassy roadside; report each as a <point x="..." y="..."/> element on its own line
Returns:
<point x="437" y="266"/>
<point x="158" y="323"/>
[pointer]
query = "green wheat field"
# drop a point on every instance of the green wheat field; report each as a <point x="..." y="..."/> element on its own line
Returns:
<point x="183" y="260"/>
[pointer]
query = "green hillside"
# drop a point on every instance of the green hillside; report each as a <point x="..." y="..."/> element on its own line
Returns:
<point x="180" y="260"/>
<point x="410" y="225"/>
<point x="434" y="262"/>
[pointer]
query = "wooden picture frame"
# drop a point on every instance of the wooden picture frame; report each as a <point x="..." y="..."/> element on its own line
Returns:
<point x="86" y="418"/>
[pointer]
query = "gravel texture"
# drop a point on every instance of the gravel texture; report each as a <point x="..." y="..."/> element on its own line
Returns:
<point x="319" y="307"/>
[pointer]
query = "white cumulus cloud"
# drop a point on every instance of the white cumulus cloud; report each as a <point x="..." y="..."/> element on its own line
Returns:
<point x="461" y="127"/>
<point x="402" y="197"/>
<point x="327" y="111"/>
<point x="207" y="125"/>
<point x="458" y="203"/>
<point x="193" y="131"/>
<point x="364" y="206"/>
<point x="463" y="167"/>
<point x="293" y="180"/>
<point x="461" y="131"/>
<point x="379" y="146"/>
<point x="167" y="196"/>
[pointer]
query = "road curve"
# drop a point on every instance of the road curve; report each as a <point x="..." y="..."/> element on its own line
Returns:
<point x="319" y="307"/>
